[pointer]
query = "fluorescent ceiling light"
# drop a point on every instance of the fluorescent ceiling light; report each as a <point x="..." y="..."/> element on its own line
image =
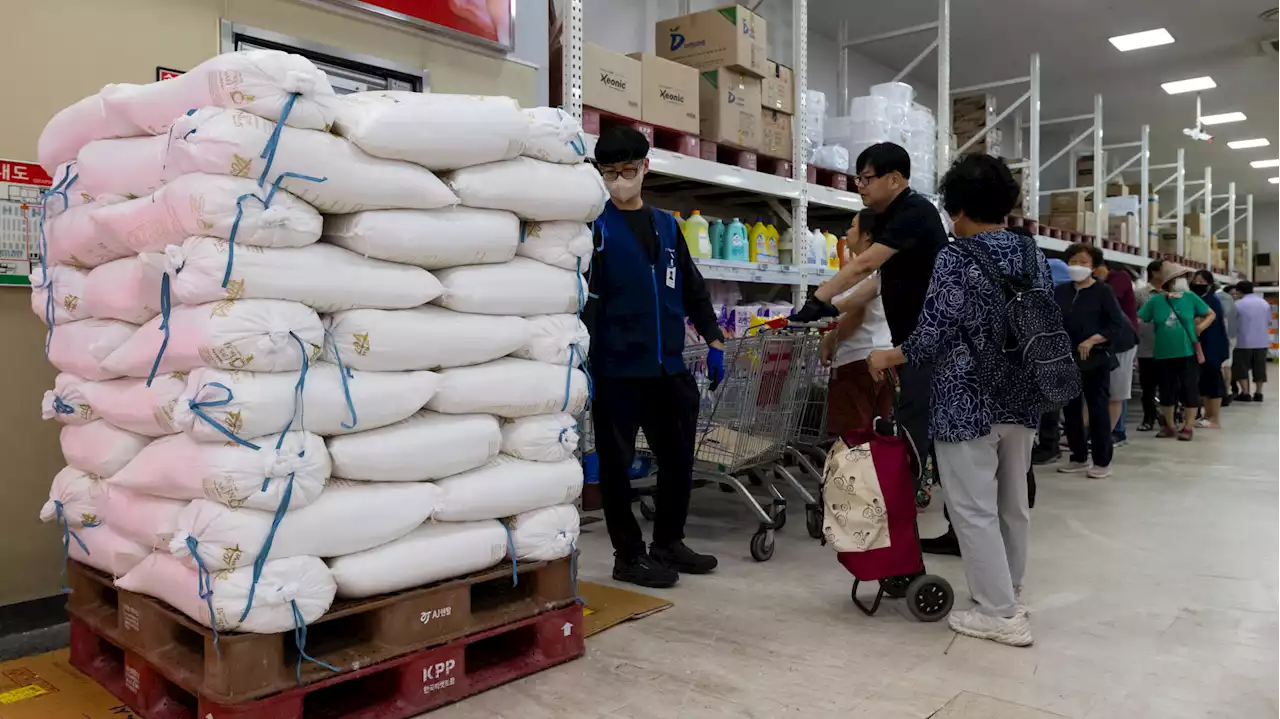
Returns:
<point x="1139" y="40"/>
<point x="1189" y="85"/>
<point x="1265" y="163"/>
<point x="1274" y="180"/>
<point x="1246" y="144"/>
<point x="1223" y="118"/>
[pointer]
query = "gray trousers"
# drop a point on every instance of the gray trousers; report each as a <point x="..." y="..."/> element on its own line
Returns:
<point x="985" y="481"/>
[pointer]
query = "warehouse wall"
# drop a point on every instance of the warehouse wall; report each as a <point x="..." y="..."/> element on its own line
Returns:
<point x="1266" y="228"/>
<point x="80" y="45"/>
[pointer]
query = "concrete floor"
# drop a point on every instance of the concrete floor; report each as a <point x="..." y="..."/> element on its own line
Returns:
<point x="1154" y="594"/>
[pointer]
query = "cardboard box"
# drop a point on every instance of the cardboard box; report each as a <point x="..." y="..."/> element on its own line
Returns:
<point x="1193" y="223"/>
<point x="979" y="106"/>
<point x="1082" y="222"/>
<point x="46" y="686"/>
<point x="777" y="138"/>
<point x="732" y="37"/>
<point x="669" y="93"/>
<point x="1123" y="230"/>
<point x="611" y="81"/>
<point x="1168" y="244"/>
<point x="1063" y="202"/>
<point x="778" y="89"/>
<point x="730" y="110"/>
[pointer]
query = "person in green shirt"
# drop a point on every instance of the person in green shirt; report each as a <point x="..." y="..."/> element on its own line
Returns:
<point x="1178" y="317"/>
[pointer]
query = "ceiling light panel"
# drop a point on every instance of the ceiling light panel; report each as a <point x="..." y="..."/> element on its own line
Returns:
<point x="1259" y="164"/>
<point x="1274" y="180"/>
<point x="1193" y="84"/>
<point x="1140" y="40"/>
<point x="1223" y="118"/>
<point x="1247" y="144"/>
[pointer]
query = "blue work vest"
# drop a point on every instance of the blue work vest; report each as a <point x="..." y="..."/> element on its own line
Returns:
<point x="640" y="322"/>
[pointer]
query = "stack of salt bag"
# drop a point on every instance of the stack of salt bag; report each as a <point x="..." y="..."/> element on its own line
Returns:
<point x="498" y="437"/>
<point x="216" y="256"/>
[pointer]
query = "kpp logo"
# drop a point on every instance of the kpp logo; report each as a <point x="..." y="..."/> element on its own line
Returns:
<point x="677" y="41"/>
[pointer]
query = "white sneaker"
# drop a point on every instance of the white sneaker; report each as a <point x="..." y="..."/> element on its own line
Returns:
<point x="1015" y="631"/>
<point x="1021" y="607"/>
<point x="1099" y="473"/>
<point x="1076" y="467"/>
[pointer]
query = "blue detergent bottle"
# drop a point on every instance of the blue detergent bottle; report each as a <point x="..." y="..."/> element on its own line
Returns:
<point x="717" y="232"/>
<point x="738" y="248"/>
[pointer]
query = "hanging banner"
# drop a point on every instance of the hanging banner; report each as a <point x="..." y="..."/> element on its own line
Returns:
<point x="21" y="186"/>
<point x="489" y="21"/>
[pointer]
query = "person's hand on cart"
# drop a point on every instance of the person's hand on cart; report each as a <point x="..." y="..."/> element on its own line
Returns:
<point x="880" y="360"/>
<point x="715" y="364"/>
<point x="827" y="350"/>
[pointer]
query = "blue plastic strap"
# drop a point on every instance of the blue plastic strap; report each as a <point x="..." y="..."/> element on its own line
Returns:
<point x="345" y="374"/>
<point x="261" y="561"/>
<point x="198" y="408"/>
<point x="523" y="229"/>
<point x="164" y="327"/>
<point x="603" y="234"/>
<point x="275" y="186"/>
<point x="235" y="228"/>
<point x="67" y="536"/>
<point x="62" y="407"/>
<point x="579" y="145"/>
<point x="511" y="549"/>
<point x="50" y="314"/>
<point x="300" y="639"/>
<point x="299" y="406"/>
<point x="204" y="585"/>
<point x="269" y="152"/>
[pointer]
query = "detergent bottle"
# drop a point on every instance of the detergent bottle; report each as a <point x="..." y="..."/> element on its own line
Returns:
<point x="759" y="239"/>
<point x="817" y="256"/>
<point x="833" y="251"/>
<point x="735" y="240"/>
<point x="787" y="247"/>
<point x="697" y="237"/>
<point x="679" y="219"/>
<point x="775" y="251"/>
<point x="717" y="232"/>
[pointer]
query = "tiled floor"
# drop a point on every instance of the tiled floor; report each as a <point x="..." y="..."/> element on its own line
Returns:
<point x="1154" y="594"/>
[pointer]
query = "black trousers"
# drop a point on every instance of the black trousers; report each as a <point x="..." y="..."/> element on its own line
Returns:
<point x="915" y="395"/>
<point x="666" y="408"/>
<point x="1095" y="397"/>
<point x="1149" y="381"/>
<point x="1050" y="432"/>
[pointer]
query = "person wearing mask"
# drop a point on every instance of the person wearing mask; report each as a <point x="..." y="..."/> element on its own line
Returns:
<point x="1216" y="348"/>
<point x="1231" y="323"/>
<point x="1050" y="432"/>
<point x="1121" y="283"/>
<point x="1178" y="317"/>
<point x="854" y="397"/>
<point x="643" y="284"/>
<point x="984" y="410"/>
<point x="1101" y="333"/>
<point x="1147" y="379"/>
<point x="906" y="238"/>
<point x="1252" y="340"/>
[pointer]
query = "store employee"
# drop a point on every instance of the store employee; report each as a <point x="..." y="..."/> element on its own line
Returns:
<point x="907" y="236"/>
<point x="643" y="285"/>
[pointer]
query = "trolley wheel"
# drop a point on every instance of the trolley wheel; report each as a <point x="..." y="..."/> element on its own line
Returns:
<point x="647" y="511"/>
<point x="896" y="587"/>
<point x="762" y="545"/>
<point x="813" y="521"/>
<point x="929" y="598"/>
<point x="923" y="497"/>
<point x="779" y="517"/>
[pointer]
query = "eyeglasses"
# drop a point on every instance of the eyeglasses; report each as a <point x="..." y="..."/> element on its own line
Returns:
<point x="864" y="180"/>
<point x="627" y="173"/>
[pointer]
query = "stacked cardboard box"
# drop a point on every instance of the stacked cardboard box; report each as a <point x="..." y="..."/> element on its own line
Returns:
<point x="1070" y="211"/>
<point x="612" y="82"/>
<point x="1194" y="223"/>
<point x="669" y="94"/>
<point x="778" y="99"/>
<point x="1220" y="257"/>
<point x="1084" y="171"/>
<point x="970" y="115"/>
<point x="1168" y="244"/>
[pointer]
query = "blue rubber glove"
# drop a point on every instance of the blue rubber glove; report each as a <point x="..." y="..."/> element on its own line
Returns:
<point x="715" y="366"/>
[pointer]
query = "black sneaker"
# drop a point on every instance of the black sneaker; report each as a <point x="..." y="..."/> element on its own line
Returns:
<point x="682" y="559"/>
<point x="1257" y="396"/>
<point x="946" y="544"/>
<point x="1242" y="397"/>
<point x="1041" y="456"/>
<point x="644" y="571"/>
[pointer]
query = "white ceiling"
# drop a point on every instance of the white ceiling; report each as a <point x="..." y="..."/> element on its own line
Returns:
<point x="993" y="39"/>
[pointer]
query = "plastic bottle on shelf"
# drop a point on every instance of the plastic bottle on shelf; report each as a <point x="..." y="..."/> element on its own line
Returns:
<point x="833" y="251"/>
<point x="775" y="252"/>
<point x="717" y="232"/>
<point x="759" y="238"/>
<point x="696" y="236"/>
<point x="735" y="239"/>
<point x="679" y="219"/>
<point x="817" y="254"/>
<point x="786" y="247"/>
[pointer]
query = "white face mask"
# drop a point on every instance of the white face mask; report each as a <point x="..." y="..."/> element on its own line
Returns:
<point x="624" y="190"/>
<point x="1181" y="285"/>
<point x="1079" y="273"/>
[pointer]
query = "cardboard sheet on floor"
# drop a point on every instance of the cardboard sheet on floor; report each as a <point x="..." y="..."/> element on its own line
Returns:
<point x="46" y="686"/>
<point x="609" y="606"/>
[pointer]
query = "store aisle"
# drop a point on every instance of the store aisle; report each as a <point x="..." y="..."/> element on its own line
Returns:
<point x="1153" y="594"/>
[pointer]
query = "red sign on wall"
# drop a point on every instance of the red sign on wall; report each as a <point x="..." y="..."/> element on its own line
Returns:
<point x="164" y="73"/>
<point x="24" y="173"/>
<point x="486" y="19"/>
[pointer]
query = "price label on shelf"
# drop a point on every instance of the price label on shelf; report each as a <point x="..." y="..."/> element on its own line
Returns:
<point x="21" y="185"/>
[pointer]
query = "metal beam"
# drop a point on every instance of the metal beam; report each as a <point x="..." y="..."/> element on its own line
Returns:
<point x="991" y="85"/>
<point x="1032" y="191"/>
<point x="1181" y="174"/>
<point x="1248" y="233"/>
<point x="1165" y="166"/>
<point x="1208" y="202"/>
<point x="1099" y="167"/>
<point x="994" y="123"/>
<point x="1161" y="186"/>
<point x="1144" y="210"/>
<point x="842" y="72"/>
<point x="1231" y="227"/>
<point x="891" y="34"/>
<point x="1122" y="145"/>
<point x="1081" y="138"/>
<point x="1123" y="167"/>
<point x="919" y="59"/>
<point x="1060" y="120"/>
<point x="944" y="86"/>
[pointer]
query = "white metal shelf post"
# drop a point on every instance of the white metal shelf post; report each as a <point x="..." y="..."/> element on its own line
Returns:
<point x="1248" y="231"/>
<point x="1144" y="211"/>
<point x="799" y="147"/>
<point x="1099" y="174"/>
<point x="944" y="88"/>
<point x="1182" y="196"/>
<point x="571" y="39"/>
<point x="1031" y="192"/>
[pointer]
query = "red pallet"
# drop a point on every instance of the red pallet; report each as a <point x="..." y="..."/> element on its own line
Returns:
<point x="595" y="121"/>
<point x="829" y="178"/>
<point x="730" y="155"/>
<point x="775" y="166"/>
<point x="396" y="689"/>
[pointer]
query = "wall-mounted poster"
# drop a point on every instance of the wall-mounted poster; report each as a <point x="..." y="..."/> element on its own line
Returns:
<point x="489" y="21"/>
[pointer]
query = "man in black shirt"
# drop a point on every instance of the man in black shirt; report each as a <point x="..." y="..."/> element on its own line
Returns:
<point x="907" y="237"/>
<point x="643" y="285"/>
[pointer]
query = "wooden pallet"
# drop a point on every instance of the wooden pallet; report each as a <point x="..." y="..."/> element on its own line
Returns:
<point x="396" y="689"/>
<point x="351" y="635"/>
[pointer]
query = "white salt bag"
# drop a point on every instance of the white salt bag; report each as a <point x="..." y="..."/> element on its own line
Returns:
<point x="424" y="337"/>
<point x="321" y="276"/>
<point x="506" y="487"/>
<point x="520" y="287"/>
<point x="100" y="447"/>
<point x="554" y="136"/>
<point x="67" y="286"/>
<point x="567" y="245"/>
<point x="430" y="239"/>
<point x="81" y="495"/>
<point x="127" y="167"/>
<point x="510" y="388"/>
<point x="130" y="404"/>
<point x="431" y="553"/>
<point x="302" y="582"/>
<point x="347" y="517"/>
<point x="72" y="128"/>
<point x="67" y="402"/>
<point x="262" y="403"/>
<point x="266" y="83"/>
<point x="435" y="130"/>
<point x="256" y="335"/>
<point x="74" y="239"/>
<point x="533" y="189"/>
<point x="546" y="534"/>
<point x="558" y="339"/>
<point x="423" y="447"/>
<point x="140" y="517"/>
<point x="230" y="142"/>
<point x="213" y="206"/>
<point x="541" y="438"/>
<point x="80" y="347"/>
<point x="179" y="467"/>
<point x="65" y="192"/>
<point x="127" y="289"/>
<point x="108" y="551"/>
